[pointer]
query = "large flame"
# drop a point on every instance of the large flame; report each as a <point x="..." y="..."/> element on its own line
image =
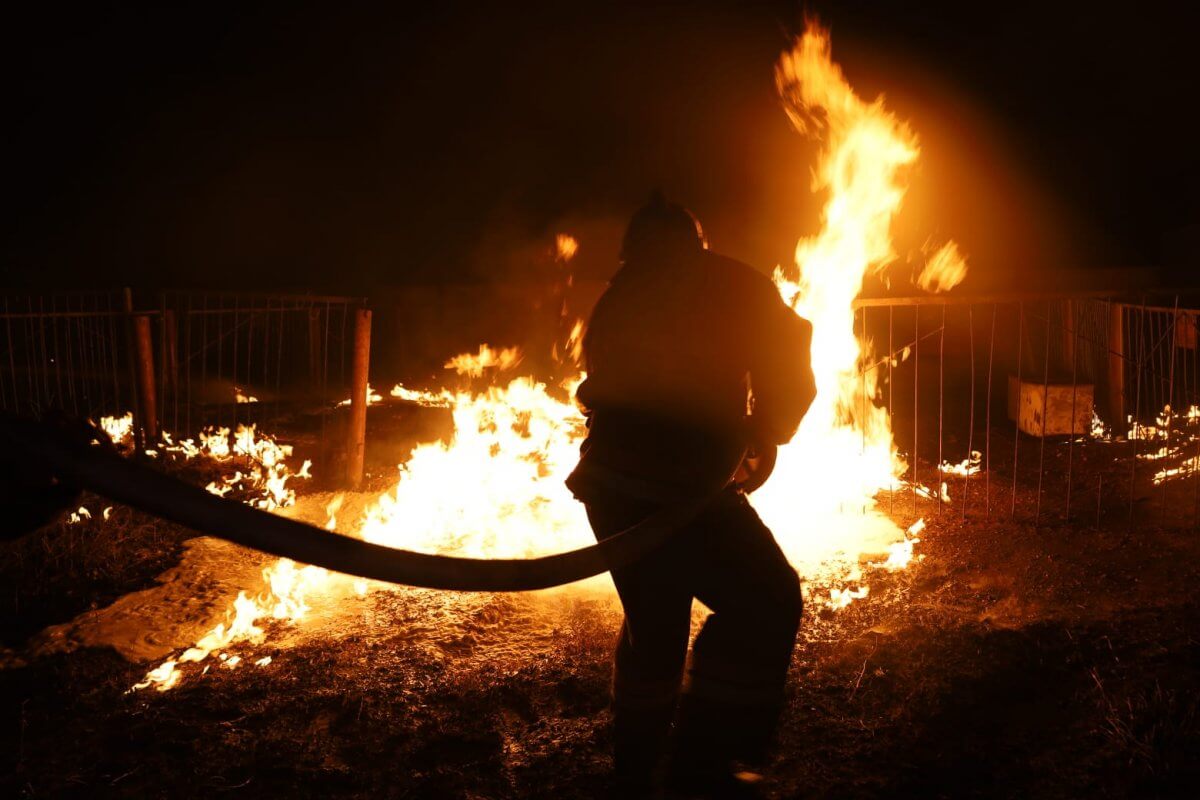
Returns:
<point x="497" y="488"/>
<point x="821" y="500"/>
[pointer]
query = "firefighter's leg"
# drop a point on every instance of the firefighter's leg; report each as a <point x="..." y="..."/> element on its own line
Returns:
<point x="646" y="680"/>
<point x="650" y="656"/>
<point x="740" y="658"/>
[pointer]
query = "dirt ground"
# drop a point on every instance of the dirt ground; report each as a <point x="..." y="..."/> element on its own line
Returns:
<point x="1011" y="661"/>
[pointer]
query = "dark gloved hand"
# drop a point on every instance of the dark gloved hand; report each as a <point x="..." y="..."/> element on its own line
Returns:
<point x="758" y="462"/>
<point x="30" y="496"/>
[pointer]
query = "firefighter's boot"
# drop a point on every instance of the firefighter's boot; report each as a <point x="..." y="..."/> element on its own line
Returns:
<point x="640" y="738"/>
<point x="718" y="748"/>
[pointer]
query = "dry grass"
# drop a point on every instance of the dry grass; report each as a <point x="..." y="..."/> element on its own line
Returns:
<point x="1012" y="662"/>
<point x="66" y="568"/>
<point x="1149" y="729"/>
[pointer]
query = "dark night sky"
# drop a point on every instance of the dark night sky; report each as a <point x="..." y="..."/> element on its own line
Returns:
<point x="305" y="146"/>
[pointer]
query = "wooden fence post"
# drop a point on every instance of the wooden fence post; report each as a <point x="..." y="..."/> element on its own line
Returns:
<point x="147" y="401"/>
<point x="1116" y="367"/>
<point x="131" y="360"/>
<point x="356" y="443"/>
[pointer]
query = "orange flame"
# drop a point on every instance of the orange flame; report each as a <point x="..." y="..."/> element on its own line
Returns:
<point x="821" y="501"/>
<point x="487" y="358"/>
<point x="565" y="247"/>
<point x="944" y="270"/>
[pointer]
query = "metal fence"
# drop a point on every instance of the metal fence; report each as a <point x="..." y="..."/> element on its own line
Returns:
<point x="179" y="360"/>
<point x="224" y="357"/>
<point x="64" y="351"/>
<point x="1018" y="380"/>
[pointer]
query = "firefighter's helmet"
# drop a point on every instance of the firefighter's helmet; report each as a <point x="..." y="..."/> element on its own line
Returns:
<point x="661" y="228"/>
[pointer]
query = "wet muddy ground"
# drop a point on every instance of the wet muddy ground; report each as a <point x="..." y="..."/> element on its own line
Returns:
<point x="1012" y="661"/>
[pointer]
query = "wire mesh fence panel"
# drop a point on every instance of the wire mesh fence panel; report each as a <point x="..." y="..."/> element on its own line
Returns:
<point x="61" y="352"/>
<point x="1042" y="410"/>
<point x="187" y="359"/>
<point x="238" y="358"/>
<point x="1081" y="409"/>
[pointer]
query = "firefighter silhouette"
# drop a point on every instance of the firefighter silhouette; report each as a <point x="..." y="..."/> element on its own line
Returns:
<point x="692" y="359"/>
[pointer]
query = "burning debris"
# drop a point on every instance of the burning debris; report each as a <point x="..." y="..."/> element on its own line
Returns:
<point x="1176" y="436"/>
<point x="968" y="466"/>
<point x="119" y="429"/>
<point x="79" y="515"/>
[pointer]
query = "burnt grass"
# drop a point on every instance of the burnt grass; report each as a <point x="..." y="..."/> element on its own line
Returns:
<point x="1014" y="660"/>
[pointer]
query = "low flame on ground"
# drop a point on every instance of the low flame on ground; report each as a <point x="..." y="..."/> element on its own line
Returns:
<point x="513" y="445"/>
<point x="266" y="471"/>
<point x="943" y="493"/>
<point x="373" y="397"/>
<point x="1175" y="434"/>
<point x="968" y="466"/>
<point x="263" y="473"/>
<point x="286" y="584"/>
<point x="119" y="429"/>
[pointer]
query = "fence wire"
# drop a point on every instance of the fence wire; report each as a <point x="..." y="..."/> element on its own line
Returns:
<point x="1083" y="409"/>
<point x="217" y="358"/>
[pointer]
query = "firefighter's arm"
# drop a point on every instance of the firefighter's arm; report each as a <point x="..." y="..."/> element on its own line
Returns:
<point x="781" y="376"/>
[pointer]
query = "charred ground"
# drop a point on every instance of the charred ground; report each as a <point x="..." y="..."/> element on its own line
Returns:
<point x="1013" y="660"/>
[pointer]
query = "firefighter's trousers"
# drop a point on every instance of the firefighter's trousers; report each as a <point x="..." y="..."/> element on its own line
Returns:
<point x="727" y="559"/>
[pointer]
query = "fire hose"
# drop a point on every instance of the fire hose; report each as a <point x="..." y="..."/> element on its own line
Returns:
<point x="98" y="469"/>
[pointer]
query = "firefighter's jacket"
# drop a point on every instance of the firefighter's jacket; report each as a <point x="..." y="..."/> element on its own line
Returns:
<point x="687" y="363"/>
